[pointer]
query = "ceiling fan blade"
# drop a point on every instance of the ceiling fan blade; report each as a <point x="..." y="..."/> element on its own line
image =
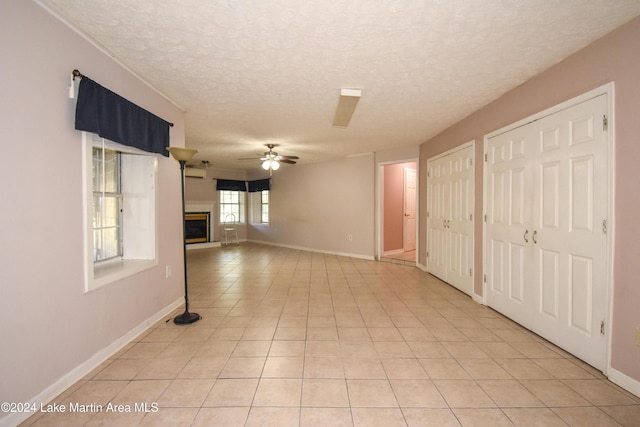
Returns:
<point x="251" y="158"/>
<point x="289" y="157"/>
<point x="291" y="162"/>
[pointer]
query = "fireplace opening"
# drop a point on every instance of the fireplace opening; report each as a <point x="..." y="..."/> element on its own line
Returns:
<point x="196" y="227"/>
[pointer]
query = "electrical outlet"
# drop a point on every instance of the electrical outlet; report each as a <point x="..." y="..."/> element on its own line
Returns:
<point x="638" y="337"/>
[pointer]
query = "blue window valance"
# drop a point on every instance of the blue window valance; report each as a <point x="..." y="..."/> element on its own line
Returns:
<point x="259" y="185"/>
<point x="231" y="185"/>
<point x="113" y="117"/>
<point x="251" y="186"/>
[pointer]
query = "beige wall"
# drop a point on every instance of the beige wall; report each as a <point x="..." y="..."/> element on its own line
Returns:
<point x="318" y="206"/>
<point x="613" y="58"/>
<point x="50" y="328"/>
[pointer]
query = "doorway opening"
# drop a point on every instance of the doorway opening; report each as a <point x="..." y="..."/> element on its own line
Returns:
<point x="398" y="214"/>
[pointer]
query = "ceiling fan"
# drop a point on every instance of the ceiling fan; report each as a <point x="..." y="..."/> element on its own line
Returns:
<point x="271" y="160"/>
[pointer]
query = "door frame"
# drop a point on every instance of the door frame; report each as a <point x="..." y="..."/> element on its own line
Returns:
<point x="608" y="90"/>
<point x="379" y="238"/>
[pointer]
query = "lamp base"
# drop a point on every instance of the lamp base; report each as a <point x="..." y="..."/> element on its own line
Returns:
<point x="186" y="318"/>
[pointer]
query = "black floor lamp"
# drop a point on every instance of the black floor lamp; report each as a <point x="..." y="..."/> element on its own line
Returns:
<point x="183" y="155"/>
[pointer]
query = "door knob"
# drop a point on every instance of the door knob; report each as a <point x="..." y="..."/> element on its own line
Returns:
<point x="525" y="236"/>
<point x="533" y="237"/>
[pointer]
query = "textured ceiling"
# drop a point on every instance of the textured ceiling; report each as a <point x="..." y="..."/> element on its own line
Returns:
<point x="252" y="72"/>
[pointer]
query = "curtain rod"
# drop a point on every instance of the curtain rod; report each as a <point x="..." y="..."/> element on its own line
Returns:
<point x="75" y="73"/>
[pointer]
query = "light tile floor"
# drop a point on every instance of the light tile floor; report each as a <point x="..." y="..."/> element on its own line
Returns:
<point x="294" y="338"/>
<point x="406" y="258"/>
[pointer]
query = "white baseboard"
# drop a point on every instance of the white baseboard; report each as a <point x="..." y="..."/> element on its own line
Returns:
<point x="80" y="371"/>
<point x="624" y="381"/>
<point x="321" y="251"/>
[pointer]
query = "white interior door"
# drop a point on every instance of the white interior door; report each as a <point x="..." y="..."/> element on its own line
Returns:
<point x="570" y="247"/>
<point x="409" y="228"/>
<point x="507" y="225"/>
<point x="460" y="223"/>
<point x="438" y="203"/>
<point x="450" y="218"/>
<point x="546" y="254"/>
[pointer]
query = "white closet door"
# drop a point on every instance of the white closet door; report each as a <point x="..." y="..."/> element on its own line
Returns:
<point x="509" y="189"/>
<point x="450" y="218"/>
<point x="438" y="203"/>
<point x="546" y="252"/>
<point x="460" y="222"/>
<point x="569" y="208"/>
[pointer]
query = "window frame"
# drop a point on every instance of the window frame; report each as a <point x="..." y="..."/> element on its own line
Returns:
<point x="138" y="180"/>
<point x="264" y="204"/>
<point x="222" y="213"/>
<point x="256" y="211"/>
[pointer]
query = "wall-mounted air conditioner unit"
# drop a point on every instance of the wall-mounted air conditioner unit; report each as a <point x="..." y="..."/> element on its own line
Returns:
<point x="195" y="173"/>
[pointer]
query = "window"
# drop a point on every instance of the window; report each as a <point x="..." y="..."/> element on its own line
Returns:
<point x="120" y="211"/>
<point x="107" y="202"/>
<point x="231" y="202"/>
<point x="264" y="206"/>
<point x="259" y="207"/>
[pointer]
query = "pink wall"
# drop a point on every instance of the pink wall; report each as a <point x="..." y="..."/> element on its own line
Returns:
<point x="613" y="58"/>
<point x="51" y="329"/>
<point x="393" y="207"/>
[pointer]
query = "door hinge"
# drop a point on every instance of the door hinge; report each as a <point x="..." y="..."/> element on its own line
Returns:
<point x="602" y="327"/>
<point x="470" y="162"/>
<point x="470" y="217"/>
<point x="427" y="254"/>
<point x="485" y="157"/>
<point x="485" y="217"/>
<point x="605" y="122"/>
<point x="428" y="174"/>
<point x="470" y="272"/>
<point x="484" y="278"/>
<point x="604" y="226"/>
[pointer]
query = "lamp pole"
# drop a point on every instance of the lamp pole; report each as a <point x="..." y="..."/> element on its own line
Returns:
<point x="182" y="155"/>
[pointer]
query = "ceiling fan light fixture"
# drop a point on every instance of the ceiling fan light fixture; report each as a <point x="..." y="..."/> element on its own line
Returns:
<point x="270" y="164"/>
<point x="271" y="160"/>
<point x="346" y="106"/>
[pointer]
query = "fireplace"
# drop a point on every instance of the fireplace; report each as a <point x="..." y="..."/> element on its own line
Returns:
<point x="197" y="227"/>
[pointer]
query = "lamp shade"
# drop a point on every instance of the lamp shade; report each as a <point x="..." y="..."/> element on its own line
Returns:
<point x="182" y="154"/>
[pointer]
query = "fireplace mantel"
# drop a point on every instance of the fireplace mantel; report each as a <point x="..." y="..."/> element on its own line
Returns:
<point x="199" y="207"/>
